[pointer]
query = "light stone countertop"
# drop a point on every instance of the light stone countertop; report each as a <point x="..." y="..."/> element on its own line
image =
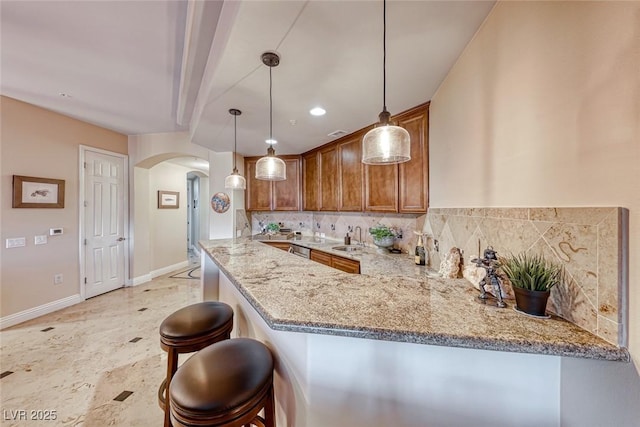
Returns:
<point x="392" y="300"/>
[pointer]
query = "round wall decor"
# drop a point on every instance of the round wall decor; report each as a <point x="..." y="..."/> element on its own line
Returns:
<point x="220" y="202"/>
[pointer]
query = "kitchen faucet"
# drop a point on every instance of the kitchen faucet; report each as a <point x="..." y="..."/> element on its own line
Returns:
<point x="359" y="229"/>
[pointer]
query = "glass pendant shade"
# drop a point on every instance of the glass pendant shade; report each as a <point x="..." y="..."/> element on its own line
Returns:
<point x="235" y="181"/>
<point x="386" y="144"/>
<point x="270" y="167"/>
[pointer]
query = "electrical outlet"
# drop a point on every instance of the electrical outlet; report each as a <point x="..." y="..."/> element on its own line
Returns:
<point x="57" y="279"/>
<point x="40" y="240"/>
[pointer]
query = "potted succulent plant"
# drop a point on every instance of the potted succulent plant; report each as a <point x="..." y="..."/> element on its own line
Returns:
<point x="532" y="277"/>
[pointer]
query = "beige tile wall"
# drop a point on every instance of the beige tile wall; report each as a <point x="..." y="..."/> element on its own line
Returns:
<point x="589" y="242"/>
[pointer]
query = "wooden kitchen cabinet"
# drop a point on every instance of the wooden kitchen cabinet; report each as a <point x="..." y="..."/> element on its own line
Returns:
<point x="258" y="192"/>
<point x="321" y="257"/>
<point x="413" y="176"/>
<point x="345" y="264"/>
<point x="403" y="187"/>
<point x="350" y="170"/>
<point x="328" y="178"/>
<point x="310" y="182"/>
<point x="336" y="261"/>
<point x="381" y="188"/>
<point x="286" y="194"/>
<point x="280" y="245"/>
<point x="334" y="178"/>
<point x="263" y="195"/>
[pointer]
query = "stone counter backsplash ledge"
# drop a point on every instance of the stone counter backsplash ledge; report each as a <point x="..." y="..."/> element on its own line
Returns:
<point x="591" y="243"/>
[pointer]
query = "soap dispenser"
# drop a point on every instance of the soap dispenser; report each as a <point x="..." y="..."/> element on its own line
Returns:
<point x="347" y="239"/>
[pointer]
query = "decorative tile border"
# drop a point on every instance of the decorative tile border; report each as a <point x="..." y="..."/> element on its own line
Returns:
<point x="589" y="242"/>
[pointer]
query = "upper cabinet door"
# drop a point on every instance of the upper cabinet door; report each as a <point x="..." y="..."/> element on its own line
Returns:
<point x="381" y="188"/>
<point x="328" y="159"/>
<point x="414" y="174"/>
<point x="286" y="194"/>
<point x="258" y="192"/>
<point x="310" y="184"/>
<point x="350" y="175"/>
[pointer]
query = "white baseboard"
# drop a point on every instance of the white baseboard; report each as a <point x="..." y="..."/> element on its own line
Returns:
<point x="32" y="313"/>
<point x="169" y="269"/>
<point x="140" y="280"/>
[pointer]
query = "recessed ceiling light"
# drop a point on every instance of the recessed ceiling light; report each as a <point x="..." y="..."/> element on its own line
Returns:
<point x="65" y="95"/>
<point x="293" y="122"/>
<point x="317" y="111"/>
<point x="270" y="141"/>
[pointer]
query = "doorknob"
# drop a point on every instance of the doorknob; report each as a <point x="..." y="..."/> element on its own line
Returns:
<point x="121" y="239"/>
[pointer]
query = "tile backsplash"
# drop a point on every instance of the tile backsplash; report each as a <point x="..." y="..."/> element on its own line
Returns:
<point x="336" y="224"/>
<point x="589" y="242"/>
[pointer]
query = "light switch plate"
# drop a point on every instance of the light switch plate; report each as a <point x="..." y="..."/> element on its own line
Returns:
<point x="16" y="242"/>
<point x="40" y="240"/>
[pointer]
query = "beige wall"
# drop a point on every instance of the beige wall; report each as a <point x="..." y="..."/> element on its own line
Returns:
<point x="167" y="227"/>
<point x="145" y="153"/>
<point x="542" y="109"/>
<point x="40" y="143"/>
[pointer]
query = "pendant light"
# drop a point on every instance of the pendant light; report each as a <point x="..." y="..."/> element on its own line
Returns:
<point x="235" y="181"/>
<point x="385" y="144"/>
<point x="270" y="167"/>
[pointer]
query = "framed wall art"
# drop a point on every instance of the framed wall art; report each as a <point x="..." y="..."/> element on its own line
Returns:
<point x="32" y="192"/>
<point x="168" y="199"/>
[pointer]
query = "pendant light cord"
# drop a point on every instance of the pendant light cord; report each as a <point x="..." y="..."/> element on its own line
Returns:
<point x="384" y="55"/>
<point x="235" y="139"/>
<point x="270" y="110"/>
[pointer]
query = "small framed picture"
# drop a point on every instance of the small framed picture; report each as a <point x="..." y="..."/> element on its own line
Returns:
<point x="168" y="199"/>
<point x="32" y="192"/>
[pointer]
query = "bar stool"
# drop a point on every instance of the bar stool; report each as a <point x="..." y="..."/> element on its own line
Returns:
<point x="226" y="384"/>
<point x="190" y="329"/>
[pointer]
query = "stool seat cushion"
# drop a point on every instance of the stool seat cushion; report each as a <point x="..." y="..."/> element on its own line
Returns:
<point x="222" y="376"/>
<point x="196" y="319"/>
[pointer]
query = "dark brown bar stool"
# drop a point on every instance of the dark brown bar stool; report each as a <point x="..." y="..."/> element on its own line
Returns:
<point x="226" y="384"/>
<point x="190" y="329"/>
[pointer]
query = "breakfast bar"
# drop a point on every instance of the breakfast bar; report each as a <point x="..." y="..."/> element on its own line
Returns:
<point x="395" y="345"/>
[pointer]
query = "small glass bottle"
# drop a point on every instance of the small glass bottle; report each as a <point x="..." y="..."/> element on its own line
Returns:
<point x="420" y="258"/>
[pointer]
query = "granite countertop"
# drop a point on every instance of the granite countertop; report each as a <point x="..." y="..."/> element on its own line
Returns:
<point x="393" y="300"/>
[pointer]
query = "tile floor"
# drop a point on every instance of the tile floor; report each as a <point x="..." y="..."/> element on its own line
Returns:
<point x="97" y="363"/>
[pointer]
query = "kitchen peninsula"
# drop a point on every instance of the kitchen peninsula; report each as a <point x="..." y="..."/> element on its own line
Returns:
<point x="391" y="346"/>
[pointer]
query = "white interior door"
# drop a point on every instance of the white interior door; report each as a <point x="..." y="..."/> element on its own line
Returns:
<point x="104" y="227"/>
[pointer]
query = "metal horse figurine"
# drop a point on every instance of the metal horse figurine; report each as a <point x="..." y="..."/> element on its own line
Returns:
<point x="489" y="262"/>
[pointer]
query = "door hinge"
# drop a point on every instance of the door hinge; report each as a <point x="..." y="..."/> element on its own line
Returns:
<point x="86" y="203"/>
<point x="85" y="243"/>
<point x="85" y="164"/>
<point x="85" y="280"/>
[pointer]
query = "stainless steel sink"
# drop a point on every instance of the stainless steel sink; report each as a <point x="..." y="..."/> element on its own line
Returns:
<point x="346" y="248"/>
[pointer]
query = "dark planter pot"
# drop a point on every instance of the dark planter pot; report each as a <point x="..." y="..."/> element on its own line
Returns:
<point x="531" y="302"/>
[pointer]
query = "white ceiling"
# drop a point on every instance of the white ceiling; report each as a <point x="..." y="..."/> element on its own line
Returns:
<point x="122" y="63"/>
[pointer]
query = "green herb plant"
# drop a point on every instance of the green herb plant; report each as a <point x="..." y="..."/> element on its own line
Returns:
<point x="381" y="231"/>
<point x="532" y="272"/>
<point x="273" y="227"/>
